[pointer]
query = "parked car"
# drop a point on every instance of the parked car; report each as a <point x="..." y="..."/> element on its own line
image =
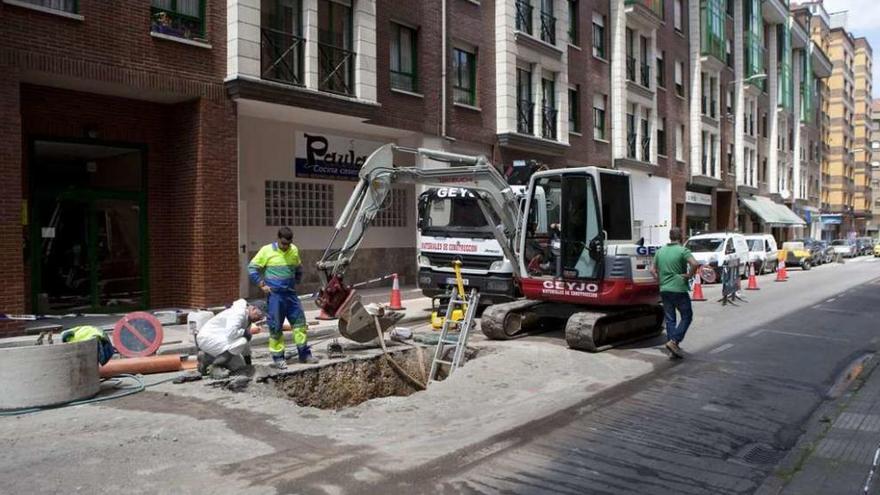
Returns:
<point x="715" y="250"/>
<point x="826" y="251"/>
<point x="877" y="250"/>
<point x="818" y="251"/>
<point x="763" y="252"/>
<point x="864" y="245"/>
<point x="795" y="253"/>
<point x="844" y="247"/>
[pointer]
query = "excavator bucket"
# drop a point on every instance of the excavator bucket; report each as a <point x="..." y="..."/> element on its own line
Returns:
<point x="356" y="321"/>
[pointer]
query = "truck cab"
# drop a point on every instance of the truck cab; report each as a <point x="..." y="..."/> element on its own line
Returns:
<point x="452" y="227"/>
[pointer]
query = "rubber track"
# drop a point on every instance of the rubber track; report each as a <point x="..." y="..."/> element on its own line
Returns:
<point x="493" y="318"/>
<point x="586" y="331"/>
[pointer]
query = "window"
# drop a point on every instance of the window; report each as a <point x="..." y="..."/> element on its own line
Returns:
<point x="548" y="108"/>
<point x="62" y="5"/>
<point x="679" y="78"/>
<point x="679" y="143"/>
<point x="729" y="53"/>
<point x="631" y="144"/>
<point x="525" y="108"/>
<point x="645" y="136"/>
<point x="599" y="36"/>
<point x="573" y="23"/>
<point x="464" y="82"/>
<point x="676" y="15"/>
<point x="548" y="22"/>
<point x="304" y="204"/>
<point x="181" y="18"/>
<point x="599" y="117"/>
<point x="661" y="70"/>
<point x="335" y="55"/>
<point x="644" y="67"/>
<point x="403" y="58"/>
<point x="729" y="101"/>
<point x="394" y="210"/>
<point x="524" y="16"/>
<point x="661" y="137"/>
<point x="574" y="105"/>
<point x="282" y="48"/>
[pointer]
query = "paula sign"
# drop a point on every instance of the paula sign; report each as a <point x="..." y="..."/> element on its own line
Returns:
<point x="323" y="156"/>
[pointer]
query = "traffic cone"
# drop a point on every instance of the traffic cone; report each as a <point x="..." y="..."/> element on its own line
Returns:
<point x="753" y="280"/>
<point x="698" y="287"/>
<point x="395" y="303"/>
<point x="781" y="276"/>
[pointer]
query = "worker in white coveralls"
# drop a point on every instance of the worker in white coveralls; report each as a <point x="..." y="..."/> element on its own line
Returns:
<point x="224" y="340"/>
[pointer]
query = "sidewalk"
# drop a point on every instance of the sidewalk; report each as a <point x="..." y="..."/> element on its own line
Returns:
<point x="176" y="337"/>
<point x="837" y="452"/>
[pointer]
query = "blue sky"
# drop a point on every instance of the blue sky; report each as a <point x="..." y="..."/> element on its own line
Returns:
<point x="863" y="19"/>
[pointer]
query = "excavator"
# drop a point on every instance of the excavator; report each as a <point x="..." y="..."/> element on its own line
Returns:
<point x="569" y="239"/>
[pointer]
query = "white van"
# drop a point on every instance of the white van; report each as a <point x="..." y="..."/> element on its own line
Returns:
<point x="763" y="252"/>
<point x="713" y="251"/>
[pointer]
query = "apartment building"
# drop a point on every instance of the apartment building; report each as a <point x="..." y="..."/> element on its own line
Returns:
<point x="863" y="155"/>
<point x="118" y="156"/>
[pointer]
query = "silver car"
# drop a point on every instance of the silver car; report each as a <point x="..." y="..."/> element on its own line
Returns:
<point x="844" y="247"/>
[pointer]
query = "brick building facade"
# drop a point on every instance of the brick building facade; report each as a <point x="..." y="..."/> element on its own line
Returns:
<point x="118" y="157"/>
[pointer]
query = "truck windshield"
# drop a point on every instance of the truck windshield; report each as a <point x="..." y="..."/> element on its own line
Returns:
<point x="704" y="245"/>
<point x="455" y="217"/>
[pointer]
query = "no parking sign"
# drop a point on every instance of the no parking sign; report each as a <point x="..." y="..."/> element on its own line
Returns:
<point x="137" y="334"/>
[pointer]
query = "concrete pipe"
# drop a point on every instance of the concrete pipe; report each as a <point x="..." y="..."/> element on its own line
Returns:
<point x="45" y="375"/>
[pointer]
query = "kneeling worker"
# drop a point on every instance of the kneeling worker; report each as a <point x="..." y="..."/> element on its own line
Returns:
<point x="87" y="332"/>
<point x="224" y="340"/>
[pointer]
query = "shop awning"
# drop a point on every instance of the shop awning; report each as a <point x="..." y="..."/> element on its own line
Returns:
<point x="772" y="213"/>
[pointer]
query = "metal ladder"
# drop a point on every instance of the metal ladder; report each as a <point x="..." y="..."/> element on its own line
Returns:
<point x="470" y="304"/>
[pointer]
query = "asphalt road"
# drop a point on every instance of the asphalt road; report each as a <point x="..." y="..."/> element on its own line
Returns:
<point x="715" y="423"/>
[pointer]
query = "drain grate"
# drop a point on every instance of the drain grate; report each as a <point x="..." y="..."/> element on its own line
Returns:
<point x="761" y="454"/>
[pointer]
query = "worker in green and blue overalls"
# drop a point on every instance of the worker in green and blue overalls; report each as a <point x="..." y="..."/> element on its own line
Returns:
<point x="276" y="269"/>
<point x="88" y="332"/>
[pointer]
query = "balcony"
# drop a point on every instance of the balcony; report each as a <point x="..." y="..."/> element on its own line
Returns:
<point x="652" y="8"/>
<point x="630" y="68"/>
<point x="178" y="18"/>
<point x="645" y="73"/>
<point x="335" y="69"/>
<point x="525" y="114"/>
<point x="754" y="58"/>
<point x="548" y="28"/>
<point x="524" y="16"/>
<point x="712" y="30"/>
<point x="548" y="122"/>
<point x="281" y="56"/>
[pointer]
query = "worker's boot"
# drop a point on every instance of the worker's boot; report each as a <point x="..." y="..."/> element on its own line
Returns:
<point x="305" y="354"/>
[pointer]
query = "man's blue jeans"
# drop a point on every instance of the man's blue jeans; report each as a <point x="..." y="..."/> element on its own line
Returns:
<point x="681" y="302"/>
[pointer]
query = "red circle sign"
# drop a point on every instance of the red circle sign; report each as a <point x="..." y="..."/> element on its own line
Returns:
<point x="137" y="334"/>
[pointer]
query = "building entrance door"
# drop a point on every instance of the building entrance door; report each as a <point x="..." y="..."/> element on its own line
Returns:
<point x="88" y="230"/>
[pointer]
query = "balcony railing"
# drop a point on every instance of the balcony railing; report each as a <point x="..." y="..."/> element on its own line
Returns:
<point x="712" y="109"/>
<point x="524" y="16"/>
<point x="281" y="56"/>
<point x="180" y="18"/>
<point x="631" y="145"/>
<point x="645" y="72"/>
<point x="548" y="28"/>
<point x="525" y="115"/>
<point x="630" y="68"/>
<point x="646" y="148"/>
<point x="655" y="6"/>
<point x="548" y="122"/>
<point x="335" y="69"/>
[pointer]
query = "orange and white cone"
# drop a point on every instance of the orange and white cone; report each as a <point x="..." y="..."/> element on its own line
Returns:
<point x="753" y="280"/>
<point x="781" y="275"/>
<point x="698" y="287"/>
<point x="395" y="303"/>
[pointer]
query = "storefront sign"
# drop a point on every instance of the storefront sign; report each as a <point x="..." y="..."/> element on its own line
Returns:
<point x="698" y="198"/>
<point x="323" y="156"/>
<point x="832" y="219"/>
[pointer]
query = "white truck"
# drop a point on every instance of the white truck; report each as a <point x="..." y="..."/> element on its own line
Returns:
<point x="452" y="226"/>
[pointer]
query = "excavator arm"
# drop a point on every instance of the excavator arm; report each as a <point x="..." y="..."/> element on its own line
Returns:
<point x="497" y="200"/>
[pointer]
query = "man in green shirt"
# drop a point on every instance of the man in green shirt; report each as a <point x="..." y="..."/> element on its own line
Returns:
<point x="673" y="267"/>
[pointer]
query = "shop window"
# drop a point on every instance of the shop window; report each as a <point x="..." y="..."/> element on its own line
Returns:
<point x="181" y="18"/>
<point x="300" y="204"/>
<point x="394" y="210"/>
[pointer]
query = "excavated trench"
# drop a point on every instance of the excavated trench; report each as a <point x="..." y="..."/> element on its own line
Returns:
<point x="348" y="383"/>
